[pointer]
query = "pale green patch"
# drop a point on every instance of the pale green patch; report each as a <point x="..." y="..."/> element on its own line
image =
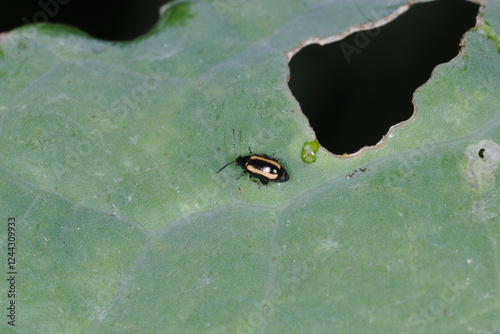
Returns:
<point x="482" y="160"/>
<point x="309" y="151"/>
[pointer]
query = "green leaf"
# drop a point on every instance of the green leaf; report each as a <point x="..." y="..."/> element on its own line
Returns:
<point x="109" y="153"/>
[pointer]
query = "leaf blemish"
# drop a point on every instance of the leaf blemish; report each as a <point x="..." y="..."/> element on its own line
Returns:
<point x="483" y="160"/>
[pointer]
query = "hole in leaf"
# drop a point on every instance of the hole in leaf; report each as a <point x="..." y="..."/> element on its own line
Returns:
<point x="115" y="20"/>
<point x="355" y="89"/>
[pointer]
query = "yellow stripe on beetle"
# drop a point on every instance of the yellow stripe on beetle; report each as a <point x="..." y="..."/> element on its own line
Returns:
<point x="269" y="161"/>
<point x="265" y="173"/>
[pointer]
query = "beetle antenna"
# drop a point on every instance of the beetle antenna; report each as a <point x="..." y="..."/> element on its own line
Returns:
<point x="232" y="162"/>
<point x="235" y="155"/>
<point x="234" y="145"/>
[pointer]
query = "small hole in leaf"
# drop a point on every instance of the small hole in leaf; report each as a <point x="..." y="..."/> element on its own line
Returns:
<point x="355" y="89"/>
<point x="115" y="20"/>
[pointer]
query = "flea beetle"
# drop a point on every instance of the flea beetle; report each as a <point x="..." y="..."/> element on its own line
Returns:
<point x="259" y="166"/>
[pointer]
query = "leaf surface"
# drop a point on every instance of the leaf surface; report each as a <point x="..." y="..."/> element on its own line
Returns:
<point x="108" y="161"/>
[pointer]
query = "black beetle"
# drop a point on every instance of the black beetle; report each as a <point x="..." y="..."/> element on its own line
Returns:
<point x="260" y="166"/>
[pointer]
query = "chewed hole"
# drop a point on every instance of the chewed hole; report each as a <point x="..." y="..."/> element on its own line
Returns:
<point x="354" y="90"/>
<point x="109" y="20"/>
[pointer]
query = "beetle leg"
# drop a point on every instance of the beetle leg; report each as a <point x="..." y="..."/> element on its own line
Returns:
<point x="243" y="173"/>
<point x="250" y="150"/>
<point x="253" y="180"/>
<point x="270" y="157"/>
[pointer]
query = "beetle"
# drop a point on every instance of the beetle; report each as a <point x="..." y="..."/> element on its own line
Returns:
<point x="259" y="166"/>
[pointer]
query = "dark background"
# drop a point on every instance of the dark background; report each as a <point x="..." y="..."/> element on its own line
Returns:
<point x="106" y="19"/>
<point x="350" y="101"/>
